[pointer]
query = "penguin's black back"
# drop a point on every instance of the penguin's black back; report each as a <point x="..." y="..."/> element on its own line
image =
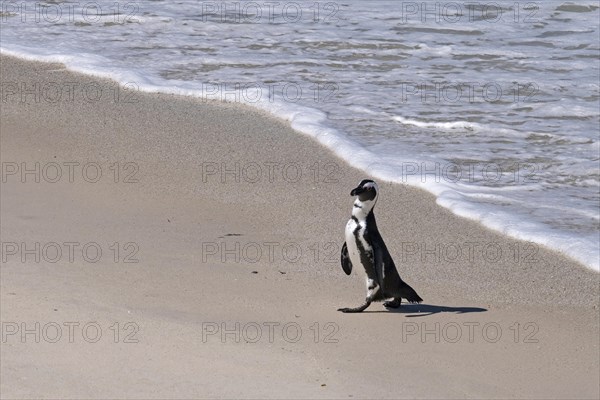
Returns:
<point x="389" y="280"/>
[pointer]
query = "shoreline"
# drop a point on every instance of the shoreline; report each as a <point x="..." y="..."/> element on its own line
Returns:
<point x="339" y="144"/>
<point x="190" y="210"/>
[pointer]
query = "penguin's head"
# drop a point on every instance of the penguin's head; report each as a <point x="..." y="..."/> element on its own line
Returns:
<point x="366" y="191"/>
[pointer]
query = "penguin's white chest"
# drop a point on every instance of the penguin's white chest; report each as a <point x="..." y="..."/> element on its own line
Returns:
<point x="355" y="241"/>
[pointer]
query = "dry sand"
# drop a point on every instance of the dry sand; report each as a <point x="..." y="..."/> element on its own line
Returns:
<point x="251" y="254"/>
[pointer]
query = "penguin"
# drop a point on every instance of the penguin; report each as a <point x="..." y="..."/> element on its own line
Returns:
<point x="365" y="247"/>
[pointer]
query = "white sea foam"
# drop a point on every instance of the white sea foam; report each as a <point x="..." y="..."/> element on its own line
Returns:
<point x="439" y="125"/>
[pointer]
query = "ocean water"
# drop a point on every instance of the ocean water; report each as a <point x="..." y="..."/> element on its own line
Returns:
<point x="493" y="106"/>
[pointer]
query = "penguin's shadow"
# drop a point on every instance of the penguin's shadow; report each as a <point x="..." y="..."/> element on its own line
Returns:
<point x="424" y="310"/>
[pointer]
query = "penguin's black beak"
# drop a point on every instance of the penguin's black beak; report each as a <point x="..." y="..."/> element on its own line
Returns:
<point x="356" y="191"/>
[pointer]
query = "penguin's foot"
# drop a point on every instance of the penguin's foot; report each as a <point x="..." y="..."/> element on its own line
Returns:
<point x="393" y="304"/>
<point x="350" y="310"/>
<point x="354" y="310"/>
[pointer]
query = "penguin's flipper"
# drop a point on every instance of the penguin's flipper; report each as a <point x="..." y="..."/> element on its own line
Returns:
<point x="345" y="258"/>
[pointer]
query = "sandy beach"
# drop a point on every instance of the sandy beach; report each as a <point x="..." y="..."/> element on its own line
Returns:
<point x="158" y="246"/>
